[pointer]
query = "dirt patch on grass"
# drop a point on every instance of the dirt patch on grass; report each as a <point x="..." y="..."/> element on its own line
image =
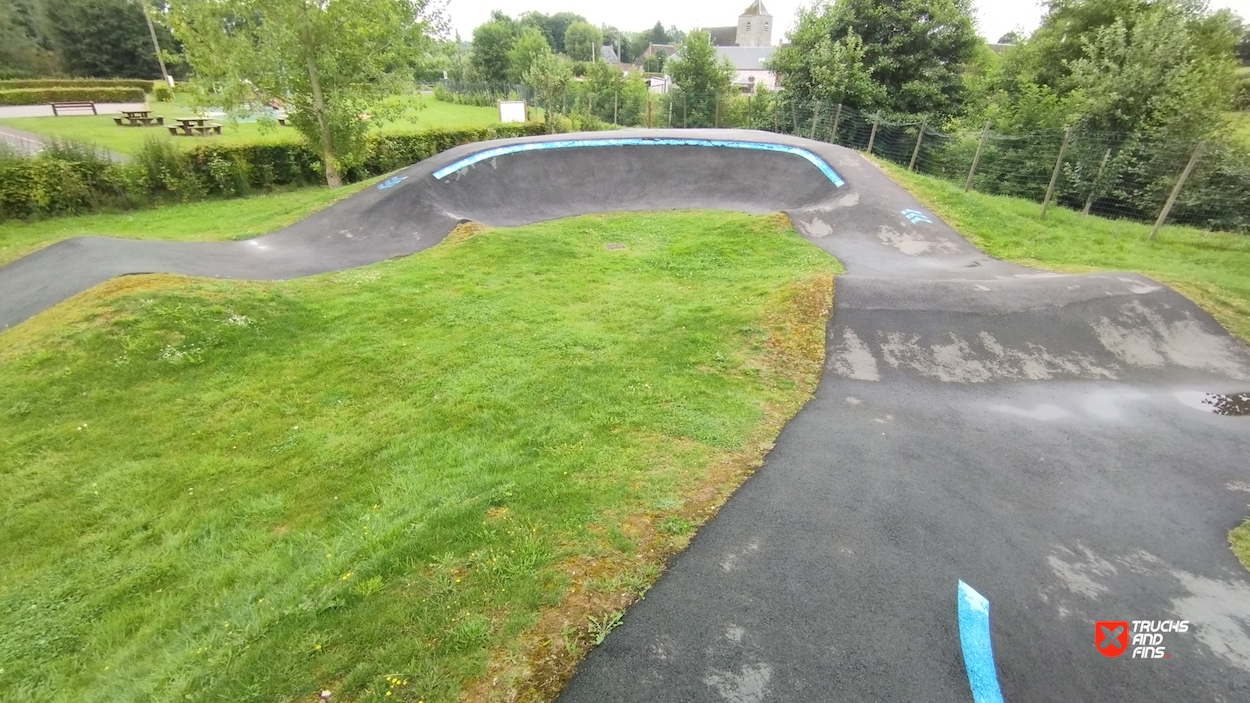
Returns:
<point x="599" y="589"/>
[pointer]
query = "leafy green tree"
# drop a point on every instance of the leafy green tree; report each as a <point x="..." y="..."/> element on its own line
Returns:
<point x="491" y="43"/>
<point x="528" y="47"/>
<point x="1243" y="49"/>
<point x="553" y="27"/>
<point x="915" y="51"/>
<point x="1012" y="37"/>
<point x="21" y="56"/>
<point x="828" y="69"/>
<point x="103" y="38"/>
<point x="334" y="63"/>
<point x="658" y="35"/>
<point x="582" y="41"/>
<point x="549" y="75"/>
<point x="654" y="63"/>
<point x="700" y="79"/>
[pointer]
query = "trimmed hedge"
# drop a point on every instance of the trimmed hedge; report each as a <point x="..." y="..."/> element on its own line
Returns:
<point x="161" y="172"/>
<point x="43" y="96"/>
<point x="141" y="84"/>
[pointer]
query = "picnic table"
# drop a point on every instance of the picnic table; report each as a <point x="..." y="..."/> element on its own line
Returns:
<point x="194" y="127"/>
<point x="138" y="118"/>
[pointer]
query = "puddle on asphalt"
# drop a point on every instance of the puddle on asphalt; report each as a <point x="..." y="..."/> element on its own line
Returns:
<point x="1235" y="404"/>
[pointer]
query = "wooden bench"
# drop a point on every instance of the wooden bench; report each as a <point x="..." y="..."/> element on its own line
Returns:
<point x="58" y="108"/>
<point x="185" y="130"/>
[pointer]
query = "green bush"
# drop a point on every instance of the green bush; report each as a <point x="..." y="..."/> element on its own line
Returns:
<point x="144" y="85"/>
<point x="43" y="96"/>
<point x="68" y="179"/>
<point x="162" y="93"/>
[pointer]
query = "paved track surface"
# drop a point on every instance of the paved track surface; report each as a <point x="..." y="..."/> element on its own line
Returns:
<point x="1038" y="436"/>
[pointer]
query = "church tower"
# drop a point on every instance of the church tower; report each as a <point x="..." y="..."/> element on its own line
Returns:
<point x="755" y="26"/>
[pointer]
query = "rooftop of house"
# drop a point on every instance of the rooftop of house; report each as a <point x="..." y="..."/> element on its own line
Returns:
<point x="609" y="55"/>
<point x="747" y="58"/>
<point x="723" y="36"/>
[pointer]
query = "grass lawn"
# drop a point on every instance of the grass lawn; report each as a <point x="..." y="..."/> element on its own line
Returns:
<point x="1239" y="538"/>
<point x="199" y="222"/>
<point x="1241" y="122"/>
<point x="423" y="112"/>
<point x="388" y="481"/>
<point x="1211" y="268"/>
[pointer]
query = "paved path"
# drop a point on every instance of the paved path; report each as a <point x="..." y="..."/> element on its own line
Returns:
<point x="1038" y="436"/>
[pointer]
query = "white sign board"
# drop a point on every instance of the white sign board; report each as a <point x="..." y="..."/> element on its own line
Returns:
<point x="511" y="111"/>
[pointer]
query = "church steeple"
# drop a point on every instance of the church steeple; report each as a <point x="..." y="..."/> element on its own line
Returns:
<point x="755" y="26"/>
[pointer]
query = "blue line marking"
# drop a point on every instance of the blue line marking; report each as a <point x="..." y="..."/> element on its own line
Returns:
<point x="974" y="638"/>
<point x="575" y="143"/>
<point x="391" y="182"/>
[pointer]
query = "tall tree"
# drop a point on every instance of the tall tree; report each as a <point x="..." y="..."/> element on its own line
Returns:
<point x="658" y="35"/>
<point x="491" y="43"/>
<point x="1012" y="37"/>
<point x="700" y="79"/>
<point x="553" y="27"/>
<point x="334" y="63"/>
<point x="914" y="50"/>
<point x="103" y="38"/>
<point x="528" y="48"/>
<point x="582" y="41"/>
<point x="21" y="56"/>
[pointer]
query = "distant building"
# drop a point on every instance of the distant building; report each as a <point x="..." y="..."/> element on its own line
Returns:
<point x="609" y="55"/>
<point x="755" y="28"/>
<point x="749" y="62"/>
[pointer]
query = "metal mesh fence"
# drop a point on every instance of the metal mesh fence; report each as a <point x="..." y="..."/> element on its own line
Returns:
<point x="1113" y="175"/>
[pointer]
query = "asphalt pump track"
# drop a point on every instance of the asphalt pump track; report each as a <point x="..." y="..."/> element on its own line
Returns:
<point x="989" y="443"/>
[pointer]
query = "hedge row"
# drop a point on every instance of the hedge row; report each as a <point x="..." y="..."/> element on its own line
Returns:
<point x="43" y="96"/>
<point x="143" y="85"/>
<point x="59" y="185"/>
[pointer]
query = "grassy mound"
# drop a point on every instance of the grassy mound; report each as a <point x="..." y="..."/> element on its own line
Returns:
<point x="388" y="481"/>
<point x="1211" y="268"/>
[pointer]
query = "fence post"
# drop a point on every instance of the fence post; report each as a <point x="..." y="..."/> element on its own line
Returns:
<point x="648" y="114"/>
<point x="916" y="152"/>
<point x="616" y="107"/>
<point x="1176" y="192"/>
<point x="751" y="111"/>
<point x="670" y="110"/>
<point x="815" y="119"/>
<point x="976" y="160"/>
<point x="837" y="117"/>
<point x="685" y="122"/>
<point x="716" y="119"/>
<point x="1054" y="177"/>
<point x="794" y="117"/>
<point x="872" y="138"/>
<point x="776" y="123"/>
<point x="1089" y="202"/>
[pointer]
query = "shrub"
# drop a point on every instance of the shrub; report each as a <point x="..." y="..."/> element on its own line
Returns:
<point x="162" y="93"/>
<point x="74" y="179"/>
<point x="144" y="85"/>
<point x="43" y="96"/>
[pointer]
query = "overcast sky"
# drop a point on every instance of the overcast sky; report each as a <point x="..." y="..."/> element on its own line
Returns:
<point x="994" y="17"/>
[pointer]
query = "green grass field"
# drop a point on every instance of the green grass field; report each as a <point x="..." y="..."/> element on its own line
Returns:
<point x="388" y="481"/>
<point x="208" y="221"/>
<point x="423" y="112"/>
<point x="1211" y="268"/>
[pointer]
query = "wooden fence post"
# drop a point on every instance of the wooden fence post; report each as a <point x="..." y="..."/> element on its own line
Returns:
<point x="815" y="120"/>
<point x="1089" y="202"/>
<point x="716" y="119"/>
<point x="1176" y="192"/>
<point x="1054" y="177"/>
<point x="837" y="117"/>
<point x="616" y="107"/>
<point x="648" y="114"/>
<point x="670" y="110"/>
<point x="685" y="114"/>
<point x="751" y="111"/>
<point x="916" y="152"/>
<point x="872" y="138"/>
<point x="776" y="119"/>
<point x="976" y="160"/>
<point x="794" y="115"/>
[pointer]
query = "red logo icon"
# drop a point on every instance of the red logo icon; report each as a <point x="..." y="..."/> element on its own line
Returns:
<point x="1111" y="637"/>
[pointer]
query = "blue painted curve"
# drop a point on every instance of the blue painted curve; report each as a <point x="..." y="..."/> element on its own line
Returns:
<point x="974" y="638"/>
<point x="806" y="155"/>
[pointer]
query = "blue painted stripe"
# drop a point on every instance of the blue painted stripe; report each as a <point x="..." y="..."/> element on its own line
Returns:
<point x="974" y="637"/>
<point x="575" y="143"/>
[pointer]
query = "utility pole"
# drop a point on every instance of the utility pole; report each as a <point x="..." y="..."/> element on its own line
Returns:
<point x="156" y="44"/>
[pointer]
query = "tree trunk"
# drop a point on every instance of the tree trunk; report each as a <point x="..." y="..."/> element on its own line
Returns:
<point x="333" y="179"/>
